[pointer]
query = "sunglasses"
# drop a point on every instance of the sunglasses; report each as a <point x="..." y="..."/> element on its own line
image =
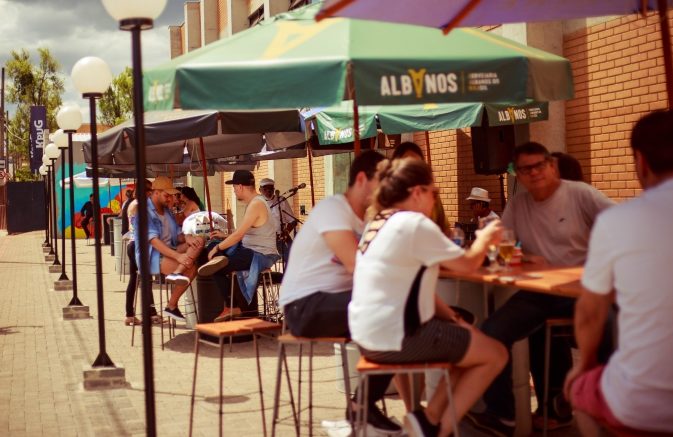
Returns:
<point x="528" y="169"/>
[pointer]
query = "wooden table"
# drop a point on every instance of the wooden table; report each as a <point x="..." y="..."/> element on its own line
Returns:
<point x="560" y="281"/>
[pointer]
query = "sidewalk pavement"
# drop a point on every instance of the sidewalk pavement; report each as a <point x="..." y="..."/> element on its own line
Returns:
<point x="42" y="358"/>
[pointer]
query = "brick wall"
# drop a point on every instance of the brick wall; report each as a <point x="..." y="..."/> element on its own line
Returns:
<point x="300" y="174"/>
<point x="618" y="68"/>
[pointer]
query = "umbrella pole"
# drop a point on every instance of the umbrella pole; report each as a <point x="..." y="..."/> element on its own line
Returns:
<point x="205" y="182"/>
<point x="310" y="170"/>
<point x="427" y="148"/>
<point x="356" y="126"/>
<point x="448" y="27"/>
<point x="666" y="45"/>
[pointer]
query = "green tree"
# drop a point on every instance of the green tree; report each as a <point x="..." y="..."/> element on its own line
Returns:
<point x="116" y="105"/>
<point x="30" y="85"/>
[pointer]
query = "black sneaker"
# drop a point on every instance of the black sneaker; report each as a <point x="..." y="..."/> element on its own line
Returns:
<point x="174" y="314"/>
<point x="418" y="425"/>
<point x="490" y="423"/>
<point x="379" y="421"/>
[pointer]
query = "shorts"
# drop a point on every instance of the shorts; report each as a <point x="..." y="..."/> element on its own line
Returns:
<point x="586" y="395"/>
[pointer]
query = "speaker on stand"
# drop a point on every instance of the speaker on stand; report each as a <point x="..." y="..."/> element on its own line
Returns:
<point x="493" y="147"/>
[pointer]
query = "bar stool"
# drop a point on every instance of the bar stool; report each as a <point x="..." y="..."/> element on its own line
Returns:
<point x="289" y="339"/>
<point x="270" y="295"/>
<point x="367" y="368"/>
<point x="549" y="326"/>
<point x="255" y="327"/>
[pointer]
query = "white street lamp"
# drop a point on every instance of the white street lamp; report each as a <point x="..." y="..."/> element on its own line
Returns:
<point x="69" y="118"/>
<point x="61" y="141"/>
<point x="92" y="77"/>
<point x="136" y="16"/>
<point x="46" y="161"/>
<point x="51" y="154"/>
<point x="43" y="170"/>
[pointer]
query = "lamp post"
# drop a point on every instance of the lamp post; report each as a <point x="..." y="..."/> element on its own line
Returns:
<point x="47" y="163"/>
<point x="136" y="16"/>
<point x="92" y="77"/>
<point x="69" y="118"/>
<point x="51" y="152"/>
<point x="43" y="173"/>
<point x="61" y="142"/>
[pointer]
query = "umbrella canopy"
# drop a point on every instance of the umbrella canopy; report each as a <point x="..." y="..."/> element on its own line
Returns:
<point x="291" y="61"/>
<point x="447" y="15"/>
<point x="334" y="125"/>
<point x="224" y="133"/>
<point x="440" y="13"/>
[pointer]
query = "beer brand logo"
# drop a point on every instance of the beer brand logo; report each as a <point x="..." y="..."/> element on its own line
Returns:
<point x="159" y="92"/>
<point x="512" y="115"/>
<point x="419" y="83"/>
<point x="338" y="134"/>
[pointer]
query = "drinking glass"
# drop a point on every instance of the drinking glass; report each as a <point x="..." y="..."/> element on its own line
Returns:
<point x="507" y="244"/>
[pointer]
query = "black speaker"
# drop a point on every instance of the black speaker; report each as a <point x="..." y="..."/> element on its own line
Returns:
<point x="492" y="148"/>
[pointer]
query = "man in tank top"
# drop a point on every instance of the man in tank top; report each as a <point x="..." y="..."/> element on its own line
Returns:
<point x="250" y="248"/>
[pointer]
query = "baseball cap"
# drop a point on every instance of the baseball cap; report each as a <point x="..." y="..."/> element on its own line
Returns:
<point x="479" y="194"/>
<point x="242" y="177"/>
<point x="266" y="181"/>
<point x="165" y="184"/>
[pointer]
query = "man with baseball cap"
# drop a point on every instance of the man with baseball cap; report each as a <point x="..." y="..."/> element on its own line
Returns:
<point x="171" y="252"/>
<point x="282" y="214"/>
<point x="252" y="246"/>
<point x="480" y="204"/>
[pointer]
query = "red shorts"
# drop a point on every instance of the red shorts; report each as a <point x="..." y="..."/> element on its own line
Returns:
<point x="587" y="396"/>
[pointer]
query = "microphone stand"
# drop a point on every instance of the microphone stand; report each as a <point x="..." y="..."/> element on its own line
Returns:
<point x="282" y="198"/>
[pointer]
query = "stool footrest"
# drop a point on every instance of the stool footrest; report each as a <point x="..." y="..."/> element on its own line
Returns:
<point x="291" y="339"/>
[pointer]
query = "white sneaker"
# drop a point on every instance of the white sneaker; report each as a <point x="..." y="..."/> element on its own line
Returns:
<point x="177" y="279"/>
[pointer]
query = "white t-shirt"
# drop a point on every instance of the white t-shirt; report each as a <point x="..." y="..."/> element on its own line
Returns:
<point x="557" y="228"/>
<point x="198" y="223"/>
<point x="384" y="276"/>
<point x="312" y="266"/>
<point x="631" y="251"/>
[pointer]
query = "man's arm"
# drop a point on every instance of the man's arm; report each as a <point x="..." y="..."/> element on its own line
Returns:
<point x="254" y="211"/>
<point x="344" y="245"/>
<point x="168" y="252"/>
<point x="591" y="313"/>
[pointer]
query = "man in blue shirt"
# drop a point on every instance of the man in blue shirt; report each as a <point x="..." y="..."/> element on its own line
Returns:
<point x="171" y="252"/>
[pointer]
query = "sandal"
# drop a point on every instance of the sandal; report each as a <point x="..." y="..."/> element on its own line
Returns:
<point x="130" y="321"/>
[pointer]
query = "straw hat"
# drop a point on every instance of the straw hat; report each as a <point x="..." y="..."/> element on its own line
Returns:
<point x="479" y="194"/>
<point x="163" y="183"/>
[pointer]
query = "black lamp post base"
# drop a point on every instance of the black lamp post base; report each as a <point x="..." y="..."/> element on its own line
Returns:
<point x="75" y="302"/>
<point x="103" y="360"/>
<point x="63" y="277"/>
<point x="46" y="249"/>
<point x="54" y="268"/>
<point x="49" y="258"/>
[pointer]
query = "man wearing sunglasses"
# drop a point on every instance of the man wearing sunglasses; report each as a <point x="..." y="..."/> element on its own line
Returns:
<point x="552" y="219"/>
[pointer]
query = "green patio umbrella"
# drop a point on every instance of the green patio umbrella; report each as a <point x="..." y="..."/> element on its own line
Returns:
<point x="334" y="125"/>
<point x="291" y="61"/>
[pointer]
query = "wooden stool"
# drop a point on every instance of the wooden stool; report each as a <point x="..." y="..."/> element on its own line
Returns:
<point x="288" y="339"/>
<point x="551" y="324"/>
<point x="230" y="329"/>
<point x="367" y="368"/>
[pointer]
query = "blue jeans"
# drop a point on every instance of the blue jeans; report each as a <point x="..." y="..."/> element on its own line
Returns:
<point x="522" y="315"/>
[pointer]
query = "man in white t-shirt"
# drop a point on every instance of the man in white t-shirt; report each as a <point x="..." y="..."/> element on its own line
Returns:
<point x="317" y="284"/>
<point x="552" y="219"/>
<point x="629" y="262"/>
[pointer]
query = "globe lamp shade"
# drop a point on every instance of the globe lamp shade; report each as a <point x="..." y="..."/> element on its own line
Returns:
<point x="51" y="151"/>
<point x="134" y="9"/>
<point x="45" y="160"/>
<point x="60" y="139"/>
<point x="69" y="118"/>
<point x="43" y="170"/>
<point x="91" y="76"/>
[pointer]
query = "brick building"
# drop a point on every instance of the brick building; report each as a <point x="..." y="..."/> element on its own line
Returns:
<point x="618" y="71"/>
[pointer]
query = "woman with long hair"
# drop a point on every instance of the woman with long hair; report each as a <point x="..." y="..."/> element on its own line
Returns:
<point x="395" y="315"/>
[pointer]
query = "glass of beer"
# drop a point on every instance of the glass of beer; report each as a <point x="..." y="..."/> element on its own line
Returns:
<point x="507" y="247"/>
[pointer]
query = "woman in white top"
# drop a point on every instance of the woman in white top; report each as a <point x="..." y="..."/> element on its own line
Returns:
<point x="394" y="314"/>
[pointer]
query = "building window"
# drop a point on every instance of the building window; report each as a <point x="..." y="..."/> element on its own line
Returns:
<point x="294" y="4"/>
<point x="256" y="17"/>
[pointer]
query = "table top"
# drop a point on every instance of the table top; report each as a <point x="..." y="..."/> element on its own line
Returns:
<point x="561" y="281"/>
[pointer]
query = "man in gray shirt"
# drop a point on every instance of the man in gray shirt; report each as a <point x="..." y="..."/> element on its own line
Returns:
<point x="552" y="219"/>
